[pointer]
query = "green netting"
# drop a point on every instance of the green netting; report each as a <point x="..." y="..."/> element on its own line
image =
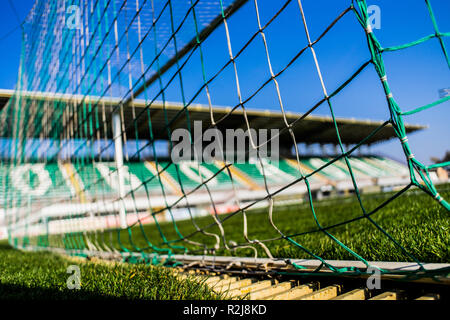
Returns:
<point x="77" y="102"/>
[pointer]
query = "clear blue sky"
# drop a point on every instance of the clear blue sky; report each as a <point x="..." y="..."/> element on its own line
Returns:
<point x="415" y="75"/>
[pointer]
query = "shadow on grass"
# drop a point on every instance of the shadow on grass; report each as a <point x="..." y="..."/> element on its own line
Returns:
<point x="17" y="292"/>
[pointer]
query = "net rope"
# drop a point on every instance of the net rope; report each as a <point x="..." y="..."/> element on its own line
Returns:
<point x="122" y="51"/>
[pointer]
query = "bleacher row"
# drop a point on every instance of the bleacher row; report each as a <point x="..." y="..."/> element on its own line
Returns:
<point x="97" y="180"/>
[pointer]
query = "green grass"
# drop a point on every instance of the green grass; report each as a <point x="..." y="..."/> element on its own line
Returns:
<point x="43" y="275"/>
<point x="416" y="221"/>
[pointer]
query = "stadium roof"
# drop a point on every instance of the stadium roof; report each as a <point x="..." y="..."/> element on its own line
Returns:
<point x="307" y="128"/>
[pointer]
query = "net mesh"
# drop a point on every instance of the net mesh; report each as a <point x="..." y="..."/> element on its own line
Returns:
<point x="96" y="80"/>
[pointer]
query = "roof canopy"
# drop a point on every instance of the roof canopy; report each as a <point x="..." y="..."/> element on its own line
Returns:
<point x="169" y="116"/>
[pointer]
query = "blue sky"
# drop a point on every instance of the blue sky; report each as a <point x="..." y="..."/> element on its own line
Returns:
<point x="415" y="74"/>
<point x="10" y="45"/>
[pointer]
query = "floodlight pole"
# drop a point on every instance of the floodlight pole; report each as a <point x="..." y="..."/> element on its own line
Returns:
<point x="118" y="156"/>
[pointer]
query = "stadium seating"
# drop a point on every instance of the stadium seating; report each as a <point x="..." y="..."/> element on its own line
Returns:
<point x="35" y="181"/>
<point x="100" y="179"/>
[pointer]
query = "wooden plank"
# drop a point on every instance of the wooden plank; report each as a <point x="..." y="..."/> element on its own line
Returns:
<point x="223" y="282"/>
<point x="253" y="287"/>
<point x="212" y="280"/>
<point x="295" y="292"/>
<point x="389" y="295"/>
<point x="429" y="296"/>
<point x="267" y="292"/>
<point x="357" y="294"/>
<point x="323" y="294"/>
<point x="235" y="285"/>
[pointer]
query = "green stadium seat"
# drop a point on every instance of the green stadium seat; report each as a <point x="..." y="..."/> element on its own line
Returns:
<point x="187" y="175"/>
<point x="100" y="179"/>
<point x="390" y="166"/>
<point x="275" y="173"/>
<point x="148" y="180"/>
<point x="36" y="182"/>
<point x="93" y="183"/>
<point x="332" y="171"/>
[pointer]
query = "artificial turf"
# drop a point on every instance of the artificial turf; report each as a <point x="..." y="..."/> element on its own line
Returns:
<point x="414" y="220"/>
<point x="43" y="275"/>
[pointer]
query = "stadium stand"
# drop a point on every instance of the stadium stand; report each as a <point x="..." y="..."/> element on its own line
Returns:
<point x="40" y="180"/>
<point x="90" y="185"/>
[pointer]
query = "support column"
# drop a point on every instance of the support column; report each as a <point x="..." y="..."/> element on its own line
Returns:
<point x="118" y="156"/>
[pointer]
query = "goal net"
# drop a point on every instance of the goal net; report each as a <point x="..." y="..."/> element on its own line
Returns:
<point x="136" y="130"/>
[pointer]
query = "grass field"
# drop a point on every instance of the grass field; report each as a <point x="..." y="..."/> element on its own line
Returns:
<point x="414" y="220"/>
<point x="43" y="275"/>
